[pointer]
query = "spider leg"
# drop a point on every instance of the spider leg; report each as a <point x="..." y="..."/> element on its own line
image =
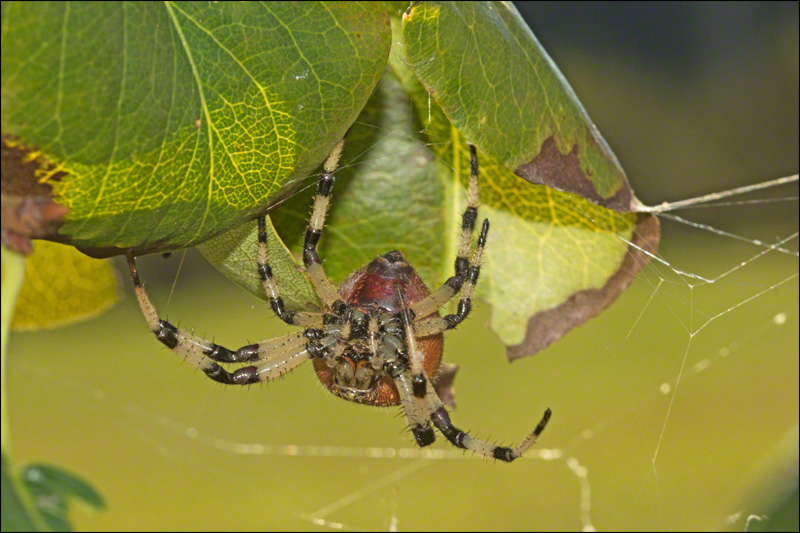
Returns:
<point x="340" y="337"/>
<point x="410" y="379"/>
<point x="376" y="361"/>
<point x="418" y="378"/>
<point x="268" y="349"/>
<point x="469" y="216"/>
<point x="275" y="357"/>
<point x="412" y="407"/>
<point x="316" y="273"/>
<point x="294" y="318"/>
<point x="326" y="343"/>
<point x="389" y="351"/>
<point x="461" y="439"/>
<point x="452" y="286"/>
<point x="436" y="324"/>
<point x="423" y="395"/>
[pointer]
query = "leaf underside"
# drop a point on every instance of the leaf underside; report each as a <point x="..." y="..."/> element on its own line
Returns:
<point x="554" y="259"/>
<point x="63" y="286"/>
<point x="501" y="90"/>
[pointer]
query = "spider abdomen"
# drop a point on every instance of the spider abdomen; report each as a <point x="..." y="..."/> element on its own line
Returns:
<point x="375" y="290"/>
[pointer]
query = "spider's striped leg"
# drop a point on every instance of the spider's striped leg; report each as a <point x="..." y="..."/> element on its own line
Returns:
<point x="275" y="357"/>
<point x="316" y="273"/>
<point x="409" y="377"/>
<point x="376" y="361"/>
<point x="461" y="439"/>
<point x="392" y="353"/>
<point x="452" y="286"/>
<point x="419" y="424"/>
<point x="270" y="284"/>
<point x="412" y="407"/>
<point x="268" y="349"/>
<point x="469" y="216"/>
<point x="326" y="343"/>
<point x="266" y="370"/>
<point x="418" y="378"/>
<point x="436" y="324"/>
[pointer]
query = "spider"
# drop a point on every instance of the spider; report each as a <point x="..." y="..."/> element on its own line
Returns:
<point x="379" y="338"/>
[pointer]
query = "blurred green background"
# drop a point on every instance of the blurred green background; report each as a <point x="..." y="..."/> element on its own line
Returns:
<point x="693" y="98"/>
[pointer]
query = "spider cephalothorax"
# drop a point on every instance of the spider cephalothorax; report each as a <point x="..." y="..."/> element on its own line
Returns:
<point x="378" y="339"/>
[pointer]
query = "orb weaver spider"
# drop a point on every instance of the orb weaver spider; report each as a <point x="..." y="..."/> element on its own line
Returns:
<point x="379" y="338"/>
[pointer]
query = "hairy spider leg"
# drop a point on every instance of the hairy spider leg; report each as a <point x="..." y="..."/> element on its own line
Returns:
<point x="423" y="433"/>
<point x="461" y="439"/>
<point x="270" y="285"/>
<point x="433" y="406"/>
<point x="275" y="357"/>
<point x="434" y="410"/>
<point x="436" y="324"/>
<point x="470" y="215"/>
<point x="452" y="286"/>
<point x="418" y="378"/>
<point x="413" y="407"/>
<point x="415" y="413"/>
<point x="376" y="361"/>
<point x="316" y="273"/>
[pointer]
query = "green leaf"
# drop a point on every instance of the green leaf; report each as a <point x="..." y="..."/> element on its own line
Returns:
<point x="553" y="260"/>
<point x="162" y="125"/>
<point x="501" y="90"/>
<point x="387" y="196"/>
<point x="234" y="254"/>
<point x="14" y="515"/>
<point x="63" y="286"/>
<point x="53" y="488"/>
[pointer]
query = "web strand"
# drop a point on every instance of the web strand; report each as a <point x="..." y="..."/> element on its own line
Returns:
<point x="682" y="204"/>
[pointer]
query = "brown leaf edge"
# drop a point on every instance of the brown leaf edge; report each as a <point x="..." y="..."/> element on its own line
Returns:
<point x="546" y="327"/>
<point x="563" y="172"/>
<point x="28" y="208"/>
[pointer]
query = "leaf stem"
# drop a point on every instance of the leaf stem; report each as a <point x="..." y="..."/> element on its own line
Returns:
<point x="13" y="274"/>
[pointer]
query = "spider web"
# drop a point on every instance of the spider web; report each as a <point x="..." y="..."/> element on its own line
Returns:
<point x="672" y="409"/>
